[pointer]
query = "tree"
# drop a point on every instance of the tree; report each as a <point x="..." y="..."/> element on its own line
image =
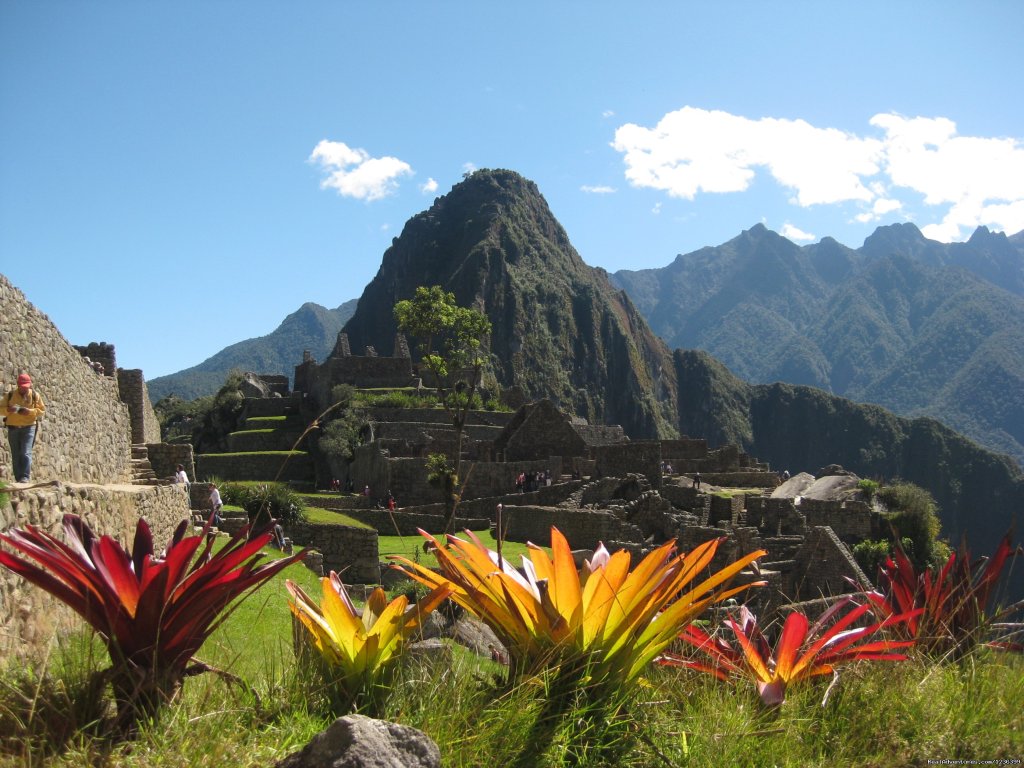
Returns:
<point x="450" y="341"/>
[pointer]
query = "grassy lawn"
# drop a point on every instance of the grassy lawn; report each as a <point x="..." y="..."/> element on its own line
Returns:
<point x="412" y="548"/>
<point x="331" y="517"/>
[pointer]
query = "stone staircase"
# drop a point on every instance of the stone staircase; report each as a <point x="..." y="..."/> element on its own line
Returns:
<point x="142" y="470"/>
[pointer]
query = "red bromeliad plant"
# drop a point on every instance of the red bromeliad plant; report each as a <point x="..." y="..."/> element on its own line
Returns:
<point x="802" y="652"/>
<point x="153" y="611"/>
<point x="952" y="600"/>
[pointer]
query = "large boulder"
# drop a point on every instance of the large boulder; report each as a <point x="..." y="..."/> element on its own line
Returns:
<point x="356" y="741"/>
<point x="795" y="486"/>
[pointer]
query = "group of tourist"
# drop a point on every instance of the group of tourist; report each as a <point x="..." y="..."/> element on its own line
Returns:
<point x="95" y="365"/>
<point x="531" y="481"/>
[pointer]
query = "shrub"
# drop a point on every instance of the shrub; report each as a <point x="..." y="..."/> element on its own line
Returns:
<point x="262" y="501"/>
<point x="913" y="514"/>
<point x="870" y="555"/>
<point x="869" y="488"/>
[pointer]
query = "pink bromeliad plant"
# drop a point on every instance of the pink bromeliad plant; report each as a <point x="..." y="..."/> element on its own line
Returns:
<point x="802" y="652"/>
<point x="153" y="610"/>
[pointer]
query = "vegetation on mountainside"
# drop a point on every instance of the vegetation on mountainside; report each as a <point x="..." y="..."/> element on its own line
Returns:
<point x="977" y="492"/>
<point x="920" y="327"/>
<point x="561" y="331"/>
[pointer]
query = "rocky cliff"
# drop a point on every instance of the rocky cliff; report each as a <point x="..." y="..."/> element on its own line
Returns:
<point x="561" y="331"/>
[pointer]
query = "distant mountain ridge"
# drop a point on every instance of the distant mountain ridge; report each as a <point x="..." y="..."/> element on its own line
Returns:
<point x="921" y="327"/>
<point x="311" y="327"/>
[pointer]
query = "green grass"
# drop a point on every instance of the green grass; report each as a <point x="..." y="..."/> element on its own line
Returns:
<point x="412" y="548"/>
<point x="878" y="715"/>
<point x="253" y="432"/>
<point x="331" y="517"/>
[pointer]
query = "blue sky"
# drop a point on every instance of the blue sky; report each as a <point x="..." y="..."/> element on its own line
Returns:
<point x="176" y="177"/>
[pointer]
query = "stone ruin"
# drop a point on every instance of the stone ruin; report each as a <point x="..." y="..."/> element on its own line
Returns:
<point x="604" y="486"/>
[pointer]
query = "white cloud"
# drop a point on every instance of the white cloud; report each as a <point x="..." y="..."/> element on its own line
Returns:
<point x="795" y="234"/>
<point x="656" y="209"/>
<point x="353" y="173"/>
<point x="468" y="168"/>
<point x="598" y="190"/>
<point x="695" y="150"/>
<point x="969" y="180"/>
<point x="608" y="113"/>
<point x="428" y="187"/>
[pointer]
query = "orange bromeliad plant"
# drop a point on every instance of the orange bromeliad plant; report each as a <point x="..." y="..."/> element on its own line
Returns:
<point x="603" y="617"/>
<point x="802" y="651"/>
<point x="360" y="648"/>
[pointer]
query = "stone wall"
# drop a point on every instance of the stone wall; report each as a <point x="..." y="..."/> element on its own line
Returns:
<point x="263" y="440"/>
<point x="850" y="520"/>
<point x="134" y="393"/>
<point x="686" y="449"/>
<point x="822" y="565"/>
<point x="641" y="457"/>
<point x="29" y="618"/>
<point x="256" y="466"/>
<point x="350" y="551"/>
<point x="583" y="528"/>
<point x="85" y="435"/>
<point x="165" y="457"/>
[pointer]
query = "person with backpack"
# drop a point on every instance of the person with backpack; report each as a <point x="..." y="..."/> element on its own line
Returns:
<point x="22" y="408"/>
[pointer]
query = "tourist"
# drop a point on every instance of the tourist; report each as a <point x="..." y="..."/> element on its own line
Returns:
<point x="696" y="481"/>
<point x="181" y="478"/>
<point x="391" y="502"/>
<point x="278" y="541"/>
<point x="366" y="491"/>
<point x="22" y="408"/>
<point x="215" y="505"/>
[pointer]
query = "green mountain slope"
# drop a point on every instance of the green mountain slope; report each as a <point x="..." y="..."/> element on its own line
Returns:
<point x="310" y="327"/>
<point x="910" y="323"/>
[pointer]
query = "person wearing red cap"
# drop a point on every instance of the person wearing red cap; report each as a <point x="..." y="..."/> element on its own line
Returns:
<point x="22" y="407"/>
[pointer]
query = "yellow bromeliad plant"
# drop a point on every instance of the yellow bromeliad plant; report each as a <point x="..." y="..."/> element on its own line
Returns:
<point x="604" y="617"/>
<point x="360" y="648"/>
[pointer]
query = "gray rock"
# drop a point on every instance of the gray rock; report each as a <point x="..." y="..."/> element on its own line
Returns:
<point x="355" y="741"/>
<point x="432" y="652"/>
<point x="795" y="486"/>
<point x="477" y="636"/>
<point x="253" y="386"/>
<point x="833" y="488"/>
